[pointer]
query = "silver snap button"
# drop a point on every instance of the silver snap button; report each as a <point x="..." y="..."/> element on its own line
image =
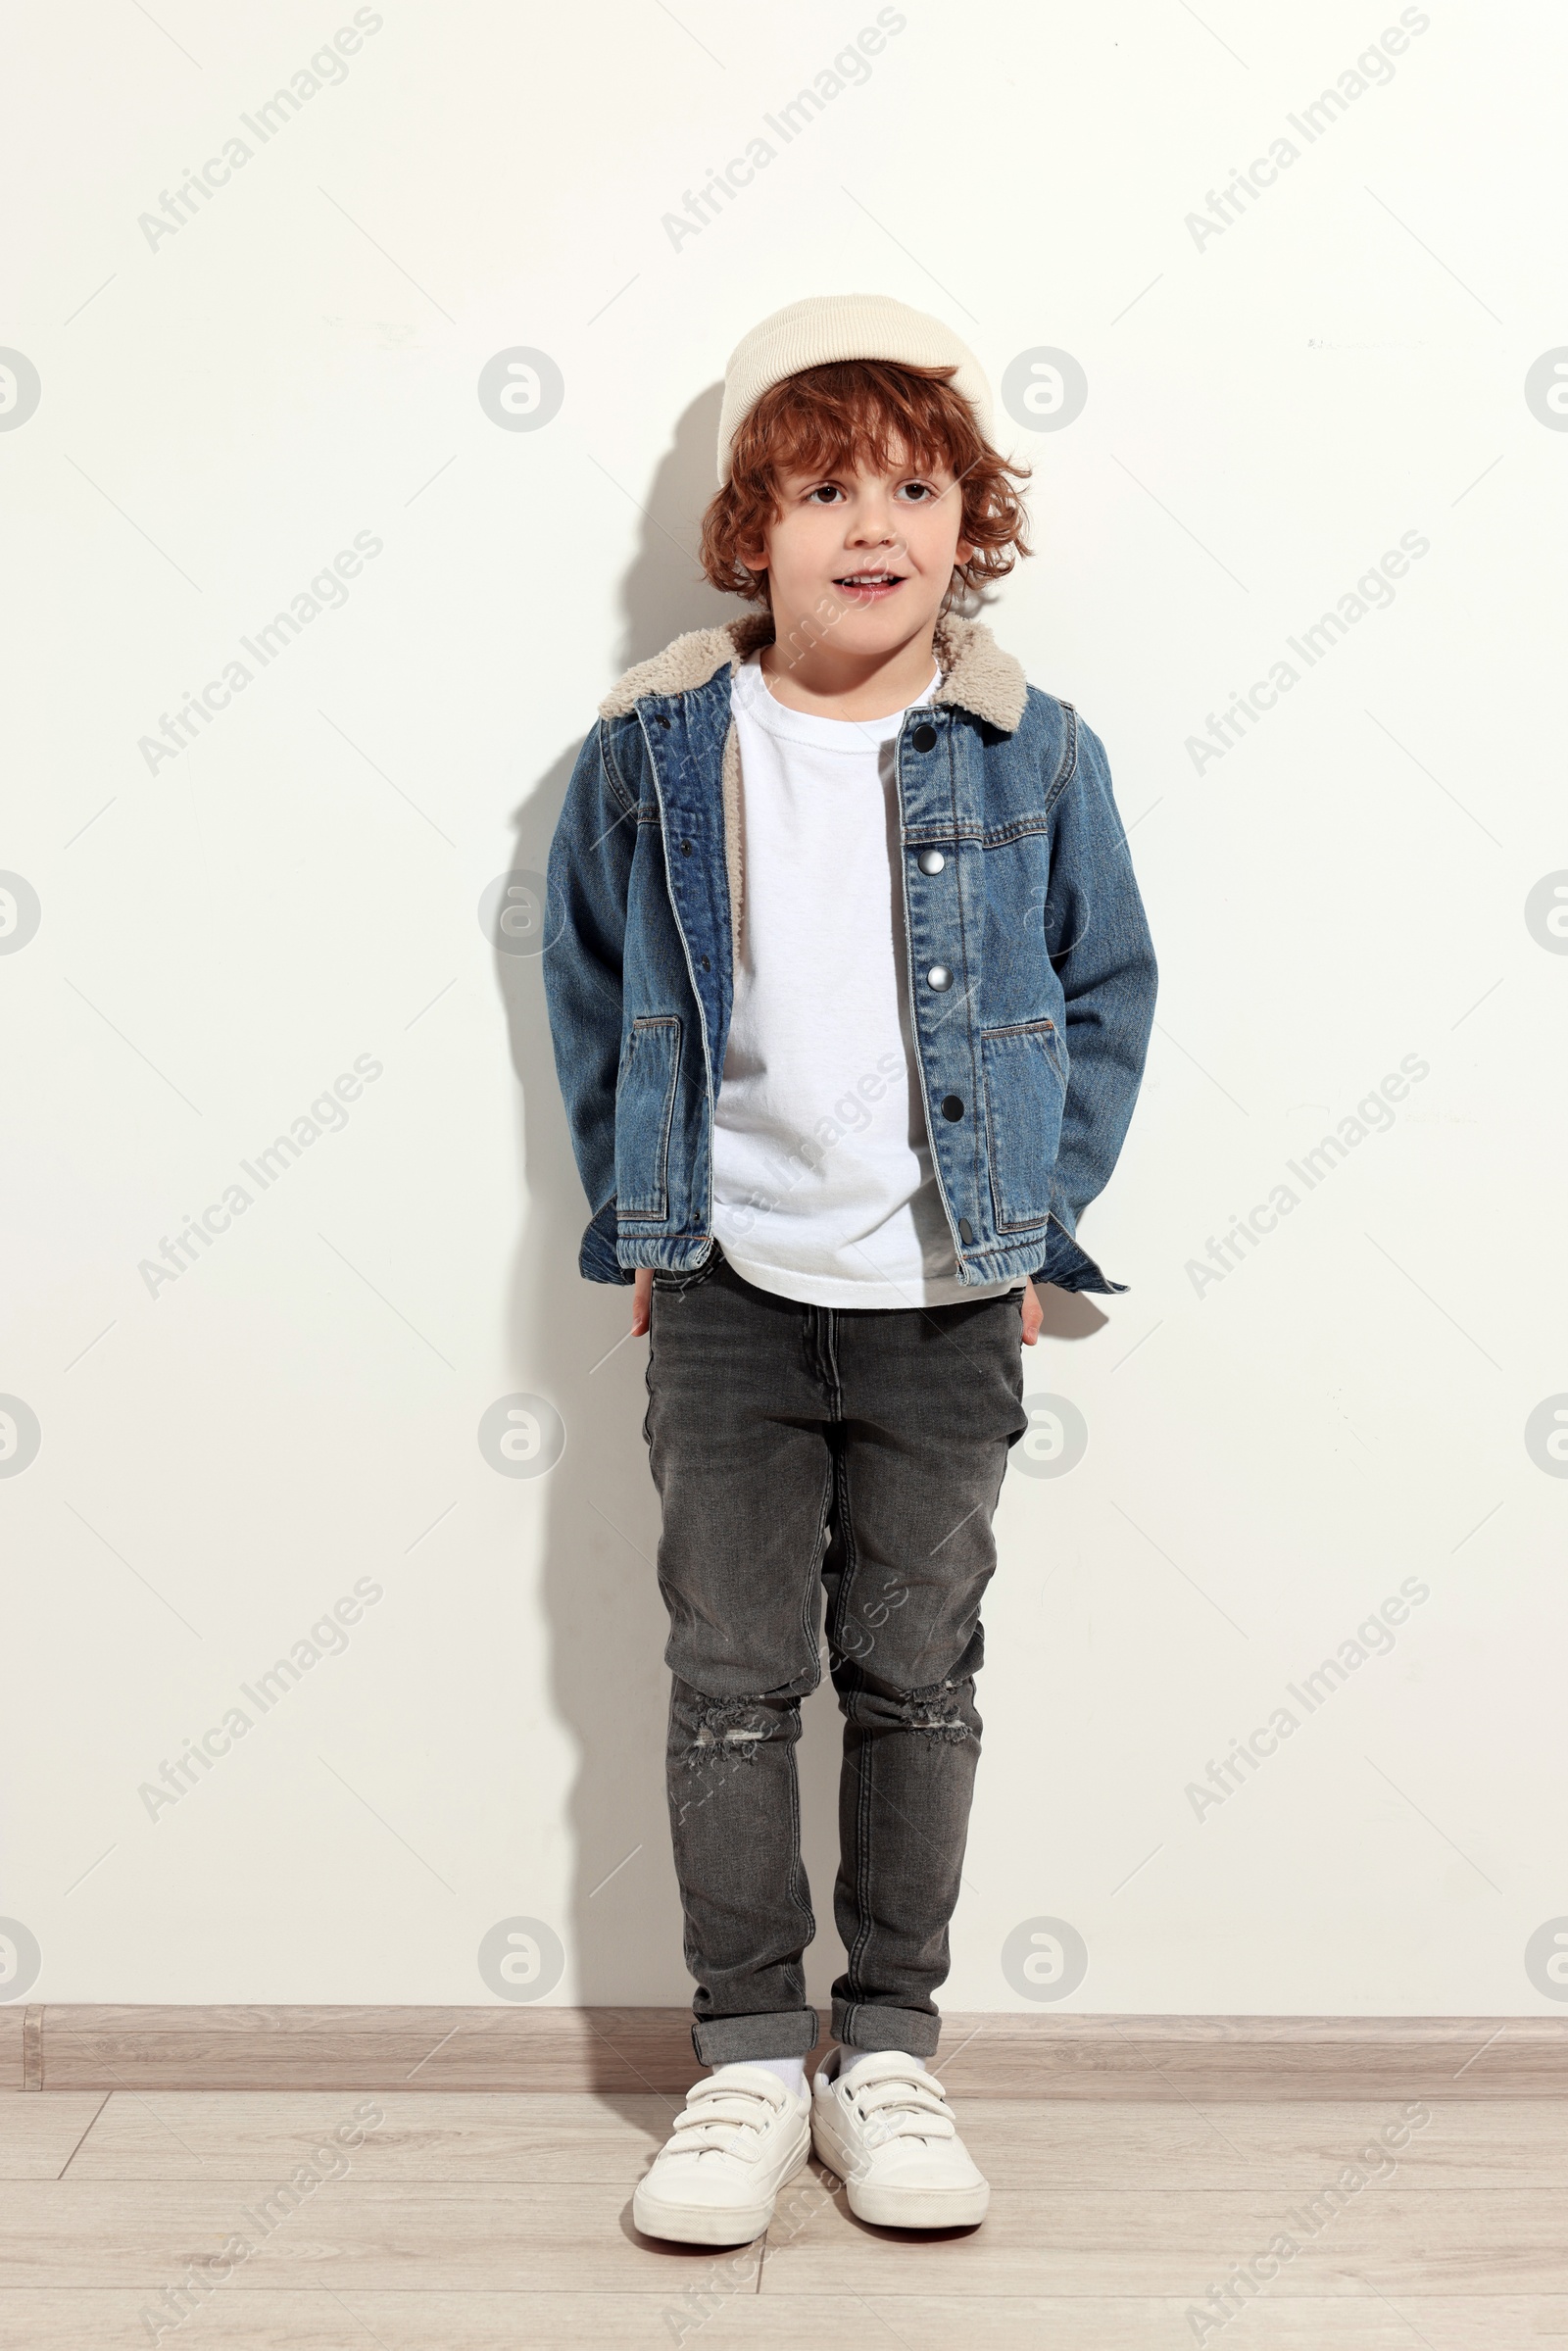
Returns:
<point x="932" y="861"/>
<point x="939" y="977"/>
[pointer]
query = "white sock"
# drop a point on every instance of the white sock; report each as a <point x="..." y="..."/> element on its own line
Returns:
<point x="791" y="2071"/>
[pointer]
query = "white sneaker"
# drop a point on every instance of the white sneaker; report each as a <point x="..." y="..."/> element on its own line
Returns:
<point x="742" y="2136"/>
<point x="884" y="2125"/>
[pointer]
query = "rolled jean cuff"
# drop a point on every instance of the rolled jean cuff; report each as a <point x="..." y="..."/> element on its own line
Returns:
<point x="869" y="2025"/>
<point x="776" y="2033"/>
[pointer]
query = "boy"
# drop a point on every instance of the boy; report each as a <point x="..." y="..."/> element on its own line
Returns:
<point x="850" y="987"/>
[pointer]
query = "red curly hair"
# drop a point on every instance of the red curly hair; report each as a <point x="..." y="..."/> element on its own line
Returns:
<point x="869" y="414"/>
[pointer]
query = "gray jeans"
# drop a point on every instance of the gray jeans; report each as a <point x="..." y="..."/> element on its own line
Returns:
<point x="802" y="1450"/>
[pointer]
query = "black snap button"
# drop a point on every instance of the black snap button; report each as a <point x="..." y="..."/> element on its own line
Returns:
<point x="924" y="738"/>
<point x="952" y="1107"/>
<point x="685" y="849"/>
<point x="662" y="719"/>
<point x="705" y="965"/>
<point x="965" y="1231"/>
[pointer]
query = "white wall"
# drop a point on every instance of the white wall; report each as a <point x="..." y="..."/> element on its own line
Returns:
<point x="1269" y="1457"/>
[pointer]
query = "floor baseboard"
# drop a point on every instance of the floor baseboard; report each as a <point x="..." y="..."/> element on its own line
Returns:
<point x="627" y="2050"/>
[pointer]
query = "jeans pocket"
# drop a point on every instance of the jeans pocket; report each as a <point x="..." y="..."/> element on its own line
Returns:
<point x="668" y="1283"/>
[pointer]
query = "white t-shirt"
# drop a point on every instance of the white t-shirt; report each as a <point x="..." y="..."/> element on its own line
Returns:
<point x="822" y="1182"/>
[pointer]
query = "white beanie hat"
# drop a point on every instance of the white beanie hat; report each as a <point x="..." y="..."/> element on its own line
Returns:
<point x="842" y="326"/>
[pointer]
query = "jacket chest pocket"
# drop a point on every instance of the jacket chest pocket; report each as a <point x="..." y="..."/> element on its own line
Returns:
<point x="645" y="1105"/>
<point x="1025" y="1071"/>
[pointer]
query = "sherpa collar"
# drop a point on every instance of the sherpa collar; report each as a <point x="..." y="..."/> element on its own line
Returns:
<point x="976" y="674"/>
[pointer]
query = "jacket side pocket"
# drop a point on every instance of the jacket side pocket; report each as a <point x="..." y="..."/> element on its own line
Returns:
<point x="1024" y="1068"/>
<point x="644" y="1104"/>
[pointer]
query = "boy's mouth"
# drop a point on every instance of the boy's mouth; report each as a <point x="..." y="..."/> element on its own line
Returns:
<point x="869" y="587"/>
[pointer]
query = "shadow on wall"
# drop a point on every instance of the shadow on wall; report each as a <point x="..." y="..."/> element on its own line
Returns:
<point x="570" y="1342"/>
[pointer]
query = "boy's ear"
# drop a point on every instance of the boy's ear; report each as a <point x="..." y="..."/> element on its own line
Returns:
<point x="754" y="556"/>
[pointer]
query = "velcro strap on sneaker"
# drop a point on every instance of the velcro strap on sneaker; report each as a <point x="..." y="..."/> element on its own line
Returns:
<point x="698" y="2135"/>
<point x="734" y="2108"/>
<point x="732" y="2120"/>
<point x="907" y="2106"/>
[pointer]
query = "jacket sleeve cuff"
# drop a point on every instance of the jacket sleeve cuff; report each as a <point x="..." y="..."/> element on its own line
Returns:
<point x="597" y="1260"/>
<point x="1066" y="1267"/>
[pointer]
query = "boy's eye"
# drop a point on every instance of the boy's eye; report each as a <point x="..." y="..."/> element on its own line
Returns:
<point x="827" y="493"/>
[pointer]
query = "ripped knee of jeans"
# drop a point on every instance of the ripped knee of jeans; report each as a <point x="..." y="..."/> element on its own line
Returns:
<point x="721" y="1731"/>
<point x="941" y="1714"/>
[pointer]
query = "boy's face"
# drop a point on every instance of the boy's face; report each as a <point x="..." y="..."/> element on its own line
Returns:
<point x="869" y="555"/>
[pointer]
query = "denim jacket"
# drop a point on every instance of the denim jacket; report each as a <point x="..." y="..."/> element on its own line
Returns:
<point x="1031" y="974"/>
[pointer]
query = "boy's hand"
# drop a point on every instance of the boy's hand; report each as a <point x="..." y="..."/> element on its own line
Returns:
<point x="1034" y="1314"/>
<point x="642" y="1294"/>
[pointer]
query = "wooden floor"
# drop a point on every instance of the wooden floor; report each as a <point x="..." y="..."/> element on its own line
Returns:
<point x="492" y="2222"/>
